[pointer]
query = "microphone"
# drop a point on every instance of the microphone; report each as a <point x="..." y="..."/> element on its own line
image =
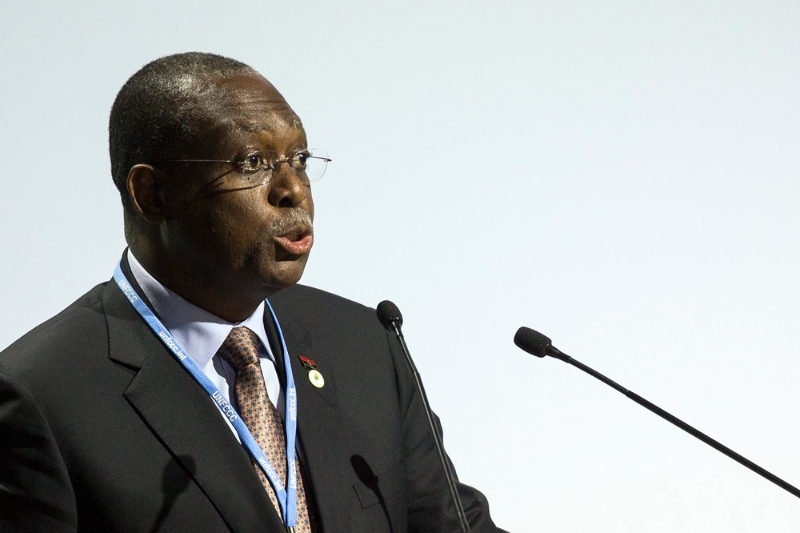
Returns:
<point x="539" y="345"/>
<point x="391" y="318"/>
<point x="389" y="314"/>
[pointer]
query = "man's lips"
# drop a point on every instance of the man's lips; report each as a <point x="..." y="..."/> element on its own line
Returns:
<point x="297" y="241"/>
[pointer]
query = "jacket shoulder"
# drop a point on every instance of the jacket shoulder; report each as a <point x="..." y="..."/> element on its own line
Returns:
<point x="81" y="320"/>
<point x="318" y="305"/>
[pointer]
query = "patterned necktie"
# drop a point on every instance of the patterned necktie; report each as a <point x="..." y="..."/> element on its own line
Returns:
<point x="240" y="350"/>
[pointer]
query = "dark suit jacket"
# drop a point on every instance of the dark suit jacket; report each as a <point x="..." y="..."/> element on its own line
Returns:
<point x="102" y="430"/>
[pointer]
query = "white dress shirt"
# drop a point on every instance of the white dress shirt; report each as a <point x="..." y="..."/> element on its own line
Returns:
<point x="200" y="334"/>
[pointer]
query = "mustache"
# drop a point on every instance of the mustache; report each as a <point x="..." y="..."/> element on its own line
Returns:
<point x="293" y="218"/>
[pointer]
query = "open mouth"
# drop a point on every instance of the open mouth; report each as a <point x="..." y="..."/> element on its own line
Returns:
<point x="297" y="241"/>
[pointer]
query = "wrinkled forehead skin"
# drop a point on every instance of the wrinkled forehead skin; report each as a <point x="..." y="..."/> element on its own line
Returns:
<point x="242" y="104"/>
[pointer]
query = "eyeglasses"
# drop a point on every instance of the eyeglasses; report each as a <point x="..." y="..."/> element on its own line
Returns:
<point x="256" y="168"/>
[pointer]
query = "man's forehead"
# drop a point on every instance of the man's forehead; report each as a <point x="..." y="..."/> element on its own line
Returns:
<point x="253" y="104"/>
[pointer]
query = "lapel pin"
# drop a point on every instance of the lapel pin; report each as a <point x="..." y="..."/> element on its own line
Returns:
<point x="314" y="375"/>
<point x="316" y="378"/>
<point x="308" y="363"/>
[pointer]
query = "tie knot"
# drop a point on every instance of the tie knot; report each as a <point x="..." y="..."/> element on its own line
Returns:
<point x="240" y="348"/>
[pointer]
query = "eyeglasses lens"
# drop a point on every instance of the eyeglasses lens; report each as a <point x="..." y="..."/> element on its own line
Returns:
<point x="316" y="162"/>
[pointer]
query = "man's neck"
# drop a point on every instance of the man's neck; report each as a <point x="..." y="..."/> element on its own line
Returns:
<point x="228" y="305"/>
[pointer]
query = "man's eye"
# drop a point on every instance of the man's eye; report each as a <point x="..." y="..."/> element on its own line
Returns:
<point x="299" y="160"/>
<point x="252" y="163"/>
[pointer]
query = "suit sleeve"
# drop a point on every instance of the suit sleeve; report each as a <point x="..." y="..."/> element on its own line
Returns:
<point x="429" y="502"/>
<point x="35" y="491"/>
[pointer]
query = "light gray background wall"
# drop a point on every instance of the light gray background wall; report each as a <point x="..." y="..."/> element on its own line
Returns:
<point x="622" y="176"/>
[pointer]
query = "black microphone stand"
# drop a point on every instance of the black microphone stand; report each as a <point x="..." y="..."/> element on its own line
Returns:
<point x="389" y="316"/>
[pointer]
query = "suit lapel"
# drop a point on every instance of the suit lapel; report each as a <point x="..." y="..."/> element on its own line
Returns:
<point x="182" y="416"/>
<point x="320" y="436"/>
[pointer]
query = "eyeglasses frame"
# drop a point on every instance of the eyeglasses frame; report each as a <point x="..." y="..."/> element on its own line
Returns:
<point x="269" y="166"/>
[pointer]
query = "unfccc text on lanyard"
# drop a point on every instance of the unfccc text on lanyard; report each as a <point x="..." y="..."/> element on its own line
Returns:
<point x="287" y="496"/>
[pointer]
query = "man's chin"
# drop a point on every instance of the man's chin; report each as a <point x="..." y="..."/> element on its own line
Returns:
<point x="284" y="274"/>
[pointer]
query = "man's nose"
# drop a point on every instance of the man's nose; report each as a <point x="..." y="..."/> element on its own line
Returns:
<point x="289" y="187"/>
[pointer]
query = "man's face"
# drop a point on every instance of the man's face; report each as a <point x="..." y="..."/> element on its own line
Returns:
<point x="243" y="240"/>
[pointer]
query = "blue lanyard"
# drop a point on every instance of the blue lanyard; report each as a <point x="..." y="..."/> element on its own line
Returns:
<point x="287" y="497"/>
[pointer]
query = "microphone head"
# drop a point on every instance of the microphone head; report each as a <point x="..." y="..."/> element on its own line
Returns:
<point x="532" y="341"/>
<point x="389" y="314"/>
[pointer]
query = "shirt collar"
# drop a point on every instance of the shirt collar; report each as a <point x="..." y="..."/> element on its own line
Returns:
<point x="199" y="332"/>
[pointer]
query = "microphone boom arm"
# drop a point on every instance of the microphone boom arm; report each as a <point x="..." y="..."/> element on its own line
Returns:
<point x="539" y="345"/>
<point x="686" y="427"/>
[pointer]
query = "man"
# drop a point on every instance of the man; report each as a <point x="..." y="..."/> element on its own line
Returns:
<point x="167" y="399"/>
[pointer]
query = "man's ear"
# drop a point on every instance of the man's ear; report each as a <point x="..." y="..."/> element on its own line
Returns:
<point x="146" y="193"/>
